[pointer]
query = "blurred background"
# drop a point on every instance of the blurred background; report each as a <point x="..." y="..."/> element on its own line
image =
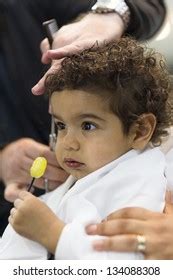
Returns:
<point x="163" y="40"/>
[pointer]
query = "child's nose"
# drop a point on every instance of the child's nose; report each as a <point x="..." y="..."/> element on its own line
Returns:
<point x="70" y="142"/>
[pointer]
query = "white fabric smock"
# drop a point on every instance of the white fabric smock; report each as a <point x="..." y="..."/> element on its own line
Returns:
<point x="134" y="179"/>
<point x="169" y="169"/>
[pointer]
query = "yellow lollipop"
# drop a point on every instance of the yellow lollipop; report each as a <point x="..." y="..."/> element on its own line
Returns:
<point x="37" y="169"/>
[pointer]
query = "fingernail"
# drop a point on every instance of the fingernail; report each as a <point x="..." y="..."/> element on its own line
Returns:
<point x="98" y="245"/>
<point x="91" y="229"/>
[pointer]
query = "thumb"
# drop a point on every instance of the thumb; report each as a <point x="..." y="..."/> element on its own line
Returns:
<point x="12" y="191"/>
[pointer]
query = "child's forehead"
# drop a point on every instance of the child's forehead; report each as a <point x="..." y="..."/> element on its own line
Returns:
<point x="79" y="96"/>
<point x="79" y="103"/>
<point x="83" y="93"/>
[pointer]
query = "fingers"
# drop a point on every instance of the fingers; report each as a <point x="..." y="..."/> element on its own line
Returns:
<point x="119" y="243"/>
<point x="39" y="88"/>
<point x="154" y="245"/>
<point x="45" y="59"/>
<point x="124" y="243"/>
<point x="18" y="194"/>
<point x="17" y="175"/>
<point x="53" y="171"/>
<point x="58" y="54"/>
<point x="24" y="194"/>
<point x="133" y="213"/>
<point x="55" y="176"/>
<point x="70" y="49"/>
<point x="115" y="227"/>
<point x="13" y="211"/>
<point x="34" y="149"/>
<point x="11" y="218"/>
<point x="17" y="203"/>
<point x="12" y="191"/>
<point x="23" y="170"/>
<point x="50" y="156"/>
<point x="17" y="212"/>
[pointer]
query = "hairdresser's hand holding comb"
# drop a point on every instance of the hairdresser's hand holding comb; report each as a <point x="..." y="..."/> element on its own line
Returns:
<point x="72" y="38"/>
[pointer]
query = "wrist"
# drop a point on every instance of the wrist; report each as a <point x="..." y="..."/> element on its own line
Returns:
<point x="119" y="7"/>
<point x="50" y="240"/>
<point x="109" y="22"/>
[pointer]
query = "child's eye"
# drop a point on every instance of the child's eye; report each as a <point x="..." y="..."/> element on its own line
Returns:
<point x="60" y="126"/>
<point x="88" y="126"/>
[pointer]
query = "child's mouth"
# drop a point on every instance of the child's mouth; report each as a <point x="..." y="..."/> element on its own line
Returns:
<point x="71" y="163"/>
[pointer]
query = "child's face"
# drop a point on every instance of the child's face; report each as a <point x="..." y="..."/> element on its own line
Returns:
<point x="89" y="134"/>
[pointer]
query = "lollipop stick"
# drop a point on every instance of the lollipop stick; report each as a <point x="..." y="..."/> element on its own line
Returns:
<point x="37" y="169"/>
<point x="31" y="184"/>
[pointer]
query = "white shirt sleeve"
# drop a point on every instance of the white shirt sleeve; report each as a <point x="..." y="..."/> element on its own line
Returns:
<point x="76" y="244"/>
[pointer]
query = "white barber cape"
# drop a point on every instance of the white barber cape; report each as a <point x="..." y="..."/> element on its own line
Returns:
<point x="134" y="179"/>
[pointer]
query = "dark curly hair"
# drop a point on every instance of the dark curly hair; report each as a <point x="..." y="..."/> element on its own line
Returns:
<point x="135" y="78"/>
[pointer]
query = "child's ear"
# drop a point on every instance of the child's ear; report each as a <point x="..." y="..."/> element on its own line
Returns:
<point x="142" y="131"/>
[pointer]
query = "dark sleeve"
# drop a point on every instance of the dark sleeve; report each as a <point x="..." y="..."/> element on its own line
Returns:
<point x="146" y="17"/>
<point x="70" y="9"/>
<point x="62" y="10"/>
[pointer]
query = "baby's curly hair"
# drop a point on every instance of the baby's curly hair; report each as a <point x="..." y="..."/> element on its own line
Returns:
<point x="135" y="78"/>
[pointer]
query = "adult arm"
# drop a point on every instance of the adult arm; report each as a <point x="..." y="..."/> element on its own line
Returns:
<point x="146" y="18"/>
<point x="63" y="11"/>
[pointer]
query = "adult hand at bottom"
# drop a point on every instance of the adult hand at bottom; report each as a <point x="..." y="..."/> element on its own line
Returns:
<point x="123" y="226"/>
<point x="16" y="160"/>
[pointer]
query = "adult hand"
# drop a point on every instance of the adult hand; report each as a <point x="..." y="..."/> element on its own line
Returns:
<point x="123" y="226"/>
<point x="34" y="220"/>
<point x="16" y="160"/>
<point x="77" y="36"/>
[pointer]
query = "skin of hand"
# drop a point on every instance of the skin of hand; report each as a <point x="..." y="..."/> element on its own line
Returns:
<point x="34" y="220"/>
<point x="74" y="37"/>
<point x="124" y="225"/>
<point x="16" y="160"/>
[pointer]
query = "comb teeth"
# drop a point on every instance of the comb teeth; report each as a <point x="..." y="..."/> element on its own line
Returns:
<point x="38" y="167"/>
